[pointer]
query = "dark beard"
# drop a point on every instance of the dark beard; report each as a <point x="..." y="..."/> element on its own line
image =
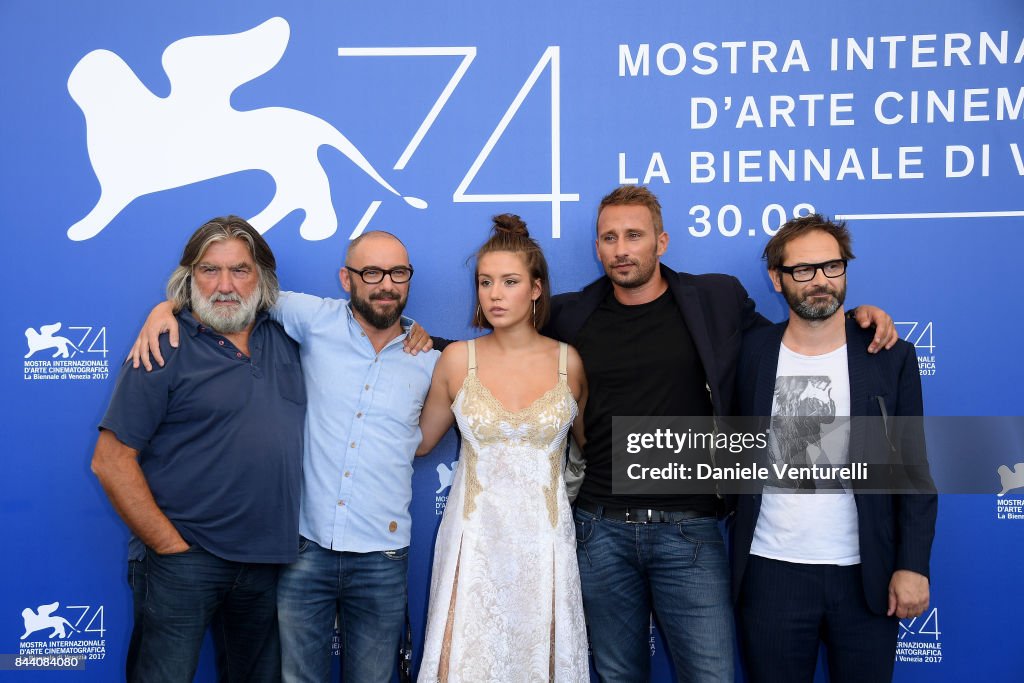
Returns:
<point x="638" y="279"/>
<point x="375" y="318"/>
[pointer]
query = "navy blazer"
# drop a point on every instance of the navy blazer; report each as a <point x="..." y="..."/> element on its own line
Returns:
<point x="895" y="531"/>
<point x="716" y="309"/>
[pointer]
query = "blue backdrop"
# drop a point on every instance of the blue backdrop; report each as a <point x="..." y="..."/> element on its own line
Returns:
<point x="127" y="124"/>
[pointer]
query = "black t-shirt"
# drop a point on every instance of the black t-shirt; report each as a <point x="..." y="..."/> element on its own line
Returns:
<point x="639" y="360"/>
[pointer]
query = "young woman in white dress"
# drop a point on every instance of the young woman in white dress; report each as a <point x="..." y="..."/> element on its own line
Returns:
<point x="505" y="602"/>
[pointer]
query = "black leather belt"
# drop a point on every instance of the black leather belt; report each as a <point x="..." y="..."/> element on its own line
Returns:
<point x="642" y="515"/>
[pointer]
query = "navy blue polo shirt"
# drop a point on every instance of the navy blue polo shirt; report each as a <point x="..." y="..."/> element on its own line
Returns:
<point x="219" y="436"/>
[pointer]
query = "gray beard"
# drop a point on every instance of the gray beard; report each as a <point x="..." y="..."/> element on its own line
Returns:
<point x="223" y="320"/>
<point x="817" y="312"/>
<point x="822" y="311"/>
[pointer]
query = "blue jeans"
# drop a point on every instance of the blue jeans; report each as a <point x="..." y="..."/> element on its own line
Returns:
<point x="366" y="592"/>
<point x="137" y="582"/>
<point x="678" y="569"/>
<point x="186" y="593"/>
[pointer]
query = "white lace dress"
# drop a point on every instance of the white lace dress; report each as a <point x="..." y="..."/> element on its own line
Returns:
<point x="505" y="601"/>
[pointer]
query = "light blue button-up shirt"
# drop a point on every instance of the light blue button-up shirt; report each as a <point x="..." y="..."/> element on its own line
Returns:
<point x="362" y="426"/>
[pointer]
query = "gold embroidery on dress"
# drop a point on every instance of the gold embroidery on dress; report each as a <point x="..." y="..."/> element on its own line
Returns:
<point x="472" y="481"/>
<point x="536" y="424"/>
<point x="551" y="491"/>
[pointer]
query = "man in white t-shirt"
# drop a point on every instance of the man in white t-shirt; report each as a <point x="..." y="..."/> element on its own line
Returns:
<point x="813" y="560"/>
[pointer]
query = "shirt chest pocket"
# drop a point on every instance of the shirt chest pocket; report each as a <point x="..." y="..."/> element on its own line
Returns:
<point x="402" y="395"/>
<point x="290" y="383"/>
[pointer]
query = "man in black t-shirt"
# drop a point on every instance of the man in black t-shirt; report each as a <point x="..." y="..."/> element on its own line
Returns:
<point x="655" y="342"/>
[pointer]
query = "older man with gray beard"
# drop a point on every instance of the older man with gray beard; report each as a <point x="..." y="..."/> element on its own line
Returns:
<point x="202" y="460"/>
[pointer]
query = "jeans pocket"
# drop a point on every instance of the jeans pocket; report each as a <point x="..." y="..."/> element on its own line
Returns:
<point x="396" y="555"/>
<point x="705" y="539"/>
<point x="191" y="548"/>
<point x="700" y="531"/>
<point x="584" y="530"/>
<point x="303" y="544"/>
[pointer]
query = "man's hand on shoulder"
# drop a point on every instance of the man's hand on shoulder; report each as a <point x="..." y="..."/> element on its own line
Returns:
<point x="417" y="340"/>
<point x="146" y="348"/>
<point x="885" y="330"/>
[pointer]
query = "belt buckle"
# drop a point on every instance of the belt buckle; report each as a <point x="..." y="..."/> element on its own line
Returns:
<point x="639" y="521"/>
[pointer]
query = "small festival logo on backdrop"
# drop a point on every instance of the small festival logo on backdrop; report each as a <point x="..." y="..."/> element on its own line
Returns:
<point x="920" y="333"/>
<point x="920" y="640"/>
<point x="73" y="630"/>
<point x="58" y="352"/>
<point x="445" y="473"/>
<point x="1011" y="481"/>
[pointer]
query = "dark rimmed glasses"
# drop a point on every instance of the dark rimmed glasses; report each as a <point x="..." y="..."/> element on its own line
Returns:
<point x="372" y="276"/>
<point x="805" y="272"/>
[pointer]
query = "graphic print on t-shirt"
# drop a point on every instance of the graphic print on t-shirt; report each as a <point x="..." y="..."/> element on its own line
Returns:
<point x="803" y="415"/>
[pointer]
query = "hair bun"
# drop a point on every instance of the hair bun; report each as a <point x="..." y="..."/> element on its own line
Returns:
<point x="511" y="225"/>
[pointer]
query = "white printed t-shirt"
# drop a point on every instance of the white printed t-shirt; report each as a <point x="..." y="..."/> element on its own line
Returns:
<point x="817" y="525"/>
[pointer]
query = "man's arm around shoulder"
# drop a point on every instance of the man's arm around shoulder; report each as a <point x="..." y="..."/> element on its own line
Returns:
<point x="562" y="319"/>
<point x="719" y="285"/>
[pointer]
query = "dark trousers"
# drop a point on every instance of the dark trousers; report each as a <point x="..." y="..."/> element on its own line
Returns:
<point x="184" y="594"/>
<point x="786" y="610"/>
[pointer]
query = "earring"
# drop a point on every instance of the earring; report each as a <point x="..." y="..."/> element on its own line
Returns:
<point x="535" y="313"/>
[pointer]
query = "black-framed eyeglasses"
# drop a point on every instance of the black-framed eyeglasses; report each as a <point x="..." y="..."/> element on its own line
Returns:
<point x="805" y="272"/>
<point x="373" y="276"/>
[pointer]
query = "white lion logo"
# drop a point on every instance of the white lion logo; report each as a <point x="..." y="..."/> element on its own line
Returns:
<point x="1011" y="479"/>
<point x="45" y="339"/>
<point x="44" y="620"/>
<point x="140" y="143"/>
<point x="444" y="475"/>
